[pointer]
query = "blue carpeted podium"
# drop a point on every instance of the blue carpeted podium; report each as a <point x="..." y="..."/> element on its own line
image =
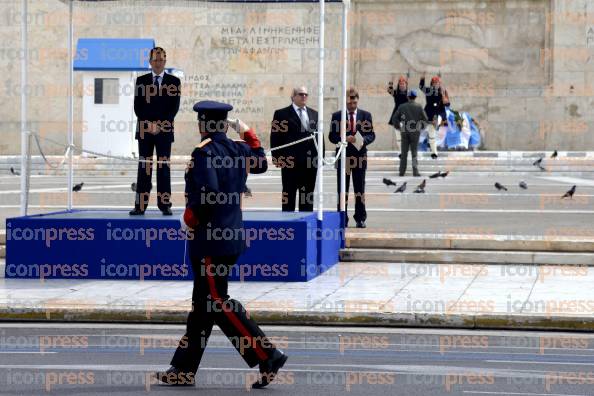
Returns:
<point x="102" y="244"/>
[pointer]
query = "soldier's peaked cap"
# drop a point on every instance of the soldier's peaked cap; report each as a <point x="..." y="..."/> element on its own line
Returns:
<point x="210" y="110"/>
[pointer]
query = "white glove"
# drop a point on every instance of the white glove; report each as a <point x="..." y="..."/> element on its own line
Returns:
<point x="238" y="125"/>
<point x="183" y="224"/>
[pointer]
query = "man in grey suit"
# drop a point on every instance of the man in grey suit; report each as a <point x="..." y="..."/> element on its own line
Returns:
<point x="410" y="119"/>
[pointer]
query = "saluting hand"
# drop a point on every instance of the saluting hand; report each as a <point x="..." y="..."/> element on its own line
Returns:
<point x="238" y="125"/>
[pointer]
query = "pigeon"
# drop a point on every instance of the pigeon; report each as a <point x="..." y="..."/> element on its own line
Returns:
<point x="388" y="182"/>
<point x="14" y="172"/>
<point x="421" y="187"/>
<point x="443" y="175"/>
<point x="538" y="161"/>
<point x="435" y="175"/>
<point x="401" y="188"/>
<point x="500" y="186"/>
<point x="523" y="185"/>
<point x="77" y="187"/>
<point x="554" y="155"/>
<point x="247" y="192"/>
<point x="569" y="193"/>
<point x="133" y="187"/>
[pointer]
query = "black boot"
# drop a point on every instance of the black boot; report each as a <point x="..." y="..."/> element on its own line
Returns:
<point x="269" y="369"/>
<point x="136" y="212"/>
<point x="175" y="377"/>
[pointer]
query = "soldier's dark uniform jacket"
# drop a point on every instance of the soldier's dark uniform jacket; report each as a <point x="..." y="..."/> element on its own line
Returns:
<point x="215" y="180"/>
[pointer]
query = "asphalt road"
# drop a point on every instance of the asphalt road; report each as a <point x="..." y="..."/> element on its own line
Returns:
<point x="106" y="359"/>
<point x="464" y="202"/>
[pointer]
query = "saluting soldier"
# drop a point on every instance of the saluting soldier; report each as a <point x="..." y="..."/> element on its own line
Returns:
<point x="215" y="180"/>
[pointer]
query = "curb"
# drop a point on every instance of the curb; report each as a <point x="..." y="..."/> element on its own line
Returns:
<point x="495" y="242"/>
<point x="502" y="321"/>
<point x="449" y="256"/>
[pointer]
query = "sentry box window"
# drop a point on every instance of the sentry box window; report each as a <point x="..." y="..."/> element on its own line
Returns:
<point x="106" y="91"/>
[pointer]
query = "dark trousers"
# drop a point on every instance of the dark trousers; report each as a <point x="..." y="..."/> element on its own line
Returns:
<point x="356" y="166"/>
<point x="409" y="141"/>
<point x="146" y="146"/>
<point x="299" y="178"/>
<point x="211" y="304"/>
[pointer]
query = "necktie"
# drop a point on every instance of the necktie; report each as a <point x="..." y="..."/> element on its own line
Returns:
<point x="157" y="81"/>
<point x="302" y="118"/>
<point x="352" y="122"/>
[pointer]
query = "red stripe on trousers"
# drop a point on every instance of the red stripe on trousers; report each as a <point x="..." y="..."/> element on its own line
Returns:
<point x="234" y="320"/>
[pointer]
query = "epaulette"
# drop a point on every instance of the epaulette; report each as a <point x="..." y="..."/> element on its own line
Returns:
<point x="204" y="143"/>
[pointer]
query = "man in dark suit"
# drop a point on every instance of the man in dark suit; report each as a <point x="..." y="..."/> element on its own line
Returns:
<point x="298" y="163"/>
<point x="358" y="121"/>
<point x="156" y="102"/>
<point x="213" y="256"/>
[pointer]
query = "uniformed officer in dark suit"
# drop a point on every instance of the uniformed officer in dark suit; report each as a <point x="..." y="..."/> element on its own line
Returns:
<point x="156" y="102"/>
<point x="299" y="162"/>
<point x="358" y="120"/>
<point x="215" y="179"/>
<point x="411" y="119"/>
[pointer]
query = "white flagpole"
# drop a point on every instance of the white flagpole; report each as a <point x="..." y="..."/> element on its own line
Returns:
<point x="24" y="140"/>
<point x="70" y="104"/>
<point x="320" y="173"/>
<point x="345" y="44"/>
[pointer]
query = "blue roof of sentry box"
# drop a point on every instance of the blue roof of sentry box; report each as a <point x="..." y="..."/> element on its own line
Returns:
<point x="113" y="54"/>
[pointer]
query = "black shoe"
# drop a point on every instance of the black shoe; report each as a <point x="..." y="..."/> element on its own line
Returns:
<point x="269" y="369"/>
<point x="401" y="174"/>
<point x="175" y="377"/>
<point x="361" y="224"/>
<point x="166" y="212"/>
<point x="434" y="156"/>
<point x="416" y="172"/>
<point x="136" y="212"/>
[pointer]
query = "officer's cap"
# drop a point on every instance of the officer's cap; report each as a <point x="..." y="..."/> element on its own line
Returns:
<point x="210" y="110"/>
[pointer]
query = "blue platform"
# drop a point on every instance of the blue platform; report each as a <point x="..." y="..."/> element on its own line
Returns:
<point x="100" y="244"/>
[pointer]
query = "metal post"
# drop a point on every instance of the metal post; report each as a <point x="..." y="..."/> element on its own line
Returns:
<point x="320" y="173"/>
<point x="70" y="104"/>
<point x="343" y="123"/>
<point x="24" y="140"/>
